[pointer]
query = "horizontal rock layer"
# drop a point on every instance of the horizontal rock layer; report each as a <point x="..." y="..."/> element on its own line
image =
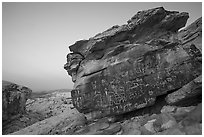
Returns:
<point x="192" y="89"/>
<point x="126" y="67"/>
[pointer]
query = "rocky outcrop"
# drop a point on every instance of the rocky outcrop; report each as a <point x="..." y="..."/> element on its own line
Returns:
<point x="192" y="34"/>
<point x="51" y="107"/>
<point x="172" y="120"/>
<point x="69" y="118"/>
<point x="14" y="99"/>
<point x="68" y="121"/>
<point x="127" y="67"/>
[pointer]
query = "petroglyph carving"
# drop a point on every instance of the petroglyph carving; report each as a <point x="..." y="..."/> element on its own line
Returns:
<point x="113" y="76"/>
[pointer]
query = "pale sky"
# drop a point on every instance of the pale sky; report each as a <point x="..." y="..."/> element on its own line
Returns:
<point x="36" y="36"/>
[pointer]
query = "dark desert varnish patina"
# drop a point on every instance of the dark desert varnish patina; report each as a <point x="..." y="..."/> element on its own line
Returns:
<point x="126" y="67"/>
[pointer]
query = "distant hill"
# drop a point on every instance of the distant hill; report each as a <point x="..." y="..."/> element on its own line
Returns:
<point x="43" y="94"/>
<point x="38" y="94"/>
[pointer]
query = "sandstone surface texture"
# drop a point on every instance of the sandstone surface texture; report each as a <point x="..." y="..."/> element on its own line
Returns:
<point x="128" y="67"/>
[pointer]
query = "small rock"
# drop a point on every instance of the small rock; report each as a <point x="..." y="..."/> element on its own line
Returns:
<point x="167" y="121"/>
<point x="168" y="109"/>
<point x="144" y="131"/>
<point x="104" y="126"/>
<point x="182" y="112"/>
<point x="131" y="128"/>
<point x="148" y="128"/>
<point x="149" y="125"/>
<point x="153" y="116"/>
<point x="169" y="124"/>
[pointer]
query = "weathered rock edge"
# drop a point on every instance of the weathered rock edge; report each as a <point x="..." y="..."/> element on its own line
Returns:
<point x="14" y="99"/>
<point x="126" y="67"/>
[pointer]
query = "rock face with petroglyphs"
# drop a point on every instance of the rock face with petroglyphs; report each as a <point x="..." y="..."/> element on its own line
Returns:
<point x="127" y="67"/>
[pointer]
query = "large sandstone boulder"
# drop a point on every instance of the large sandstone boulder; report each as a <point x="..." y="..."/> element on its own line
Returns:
<point x="14" y="99"/>
<point x="126" y="67"/>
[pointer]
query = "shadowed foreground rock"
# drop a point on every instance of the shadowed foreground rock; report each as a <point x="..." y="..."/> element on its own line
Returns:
<point x="127" y="67"/>
<point x="192" y="89"/>
<point x="172" y="120"/>
<point x="14" y="99"/>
